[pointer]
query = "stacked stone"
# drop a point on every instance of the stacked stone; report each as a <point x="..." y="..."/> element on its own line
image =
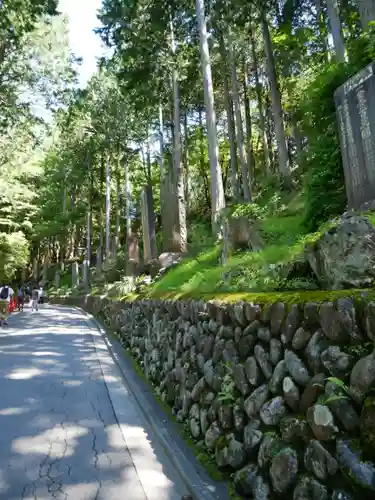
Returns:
<point x="280" y="395"/>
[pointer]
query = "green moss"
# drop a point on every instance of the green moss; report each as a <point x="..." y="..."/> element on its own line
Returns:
<point x="298" y="297"/>
<point x="288" y="298"/>
<point x="233" y="494"/>
<point x="221" y="443"/>
<point x="369" y="402"/>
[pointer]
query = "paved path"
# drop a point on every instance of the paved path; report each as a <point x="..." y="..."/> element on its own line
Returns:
<point x="59" y="435"/>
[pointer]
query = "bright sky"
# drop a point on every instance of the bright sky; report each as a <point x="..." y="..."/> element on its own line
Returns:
<point x="83" y="41"/>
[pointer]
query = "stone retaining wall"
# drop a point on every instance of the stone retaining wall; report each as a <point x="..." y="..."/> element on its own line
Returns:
<point x="281" y="395"/>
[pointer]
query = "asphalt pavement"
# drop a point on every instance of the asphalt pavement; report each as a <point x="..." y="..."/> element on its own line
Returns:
<point x="69" y="427"/>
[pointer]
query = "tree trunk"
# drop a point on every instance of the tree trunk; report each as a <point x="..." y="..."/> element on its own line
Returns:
<point x="101" y="198"/>
<point x="108" y="208"/>
<point x="118" y="212"/>
<point x="284" y="166"/>
<point x="249" y="132"/>
<point x="186" y="160"/>
<point x="180" y="232"/>
<point x="148" y="161"/>
<point x="89" y="215"/>
<point x="217" y="189"/>
<point x="238" y="122"/>
<point x="366" y="12"/>
<point x="336" y="29"/>
<point x="127" y="192"/>
<point x="202" y="159"/>
<point x="258" y="89"/>
<point x="231" y="130"/>
<point x="269" y="129"/>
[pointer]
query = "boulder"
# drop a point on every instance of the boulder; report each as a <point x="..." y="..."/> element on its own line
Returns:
<point x="239" y="415"/>
<point x="362" y="472"/>
<point x="273" y="411"/>
<point x="170" y="259"/>
<point x="225" y="416"/>
<point x="309" y="488"/>
<point x="212" y="435"/>
<point x="252" y="371"/>
<point x="319" y="461"/>
<point x="250" y="483"/>
<point x="240" y="379"/>
<point x="236" y="454"/>
<point x="300" y="339"/>
<point x="321" y="421"/>
<point x="339" y="402"/>
<point x="263" y="359"/>
<point x="256" y="400"/>
<point x="269" y="447"/>
<point x="277" y="377"/>
<point x="312" y="391"/>
<point x="252" y="437"/>
<point x="337" y="362"/>
<point x="276" y="351"/>
<point x="240" y="233"/>
<point x="284" y="470"/>
<point x="362" y="378"/>
<point x="291" y="393"/>
<point x="294" y="430"/>
<point x="292" y="322"/>
<point x="344" y="256"/>
<point x="314" y="349"/>
<point x="341" y="495"/>
<point x="296" y="368"/>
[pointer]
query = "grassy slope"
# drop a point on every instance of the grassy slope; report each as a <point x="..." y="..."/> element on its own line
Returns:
<point x="251" y="276"/>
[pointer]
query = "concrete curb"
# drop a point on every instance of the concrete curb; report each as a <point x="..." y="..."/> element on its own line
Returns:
<point x="195" y="485"/>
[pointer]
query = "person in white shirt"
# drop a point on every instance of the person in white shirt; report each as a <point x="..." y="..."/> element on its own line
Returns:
<point x="35" y="298"/>
<point x="6" y="293"/>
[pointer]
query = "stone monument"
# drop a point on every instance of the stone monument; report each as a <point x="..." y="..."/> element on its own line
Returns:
<point x="355" y="106"/>
<point x="85" y="272"/>
<point x="132" y="261"/>
<point x="57" y="280"/>
<point x="75" y="274"/>
<point x="148" y="225"/>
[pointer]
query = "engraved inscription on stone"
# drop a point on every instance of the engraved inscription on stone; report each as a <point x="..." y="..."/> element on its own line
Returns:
<point x="355" y="106"/>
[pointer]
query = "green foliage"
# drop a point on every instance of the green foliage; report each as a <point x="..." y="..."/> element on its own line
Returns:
<point x="325" y="195"/>
<point x="14" y="254"/>
<point x="251" y="211"/>
<point x="324" y="187"/>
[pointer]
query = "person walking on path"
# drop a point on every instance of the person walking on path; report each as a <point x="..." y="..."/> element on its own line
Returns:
<point x="6" y="294"/>
<point x="35" y="298"/>
<point x="20" y="297"/>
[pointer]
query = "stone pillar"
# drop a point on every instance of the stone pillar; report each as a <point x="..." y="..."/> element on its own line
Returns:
<point x="133" y="255"/>
<point x="85" y="273"/>
<point x="148" y="225"/>
<point x="99" y="260"/>
<point x="57" y="280"/>
<point x="75" y="274"/>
